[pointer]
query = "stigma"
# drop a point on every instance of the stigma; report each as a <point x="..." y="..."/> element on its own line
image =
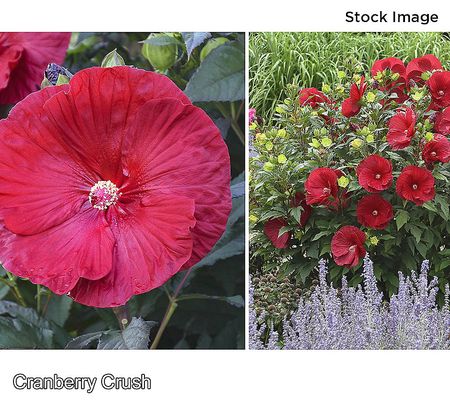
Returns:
<point x="103" y="195"/>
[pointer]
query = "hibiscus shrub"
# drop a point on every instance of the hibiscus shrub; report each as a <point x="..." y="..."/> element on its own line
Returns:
<point x="361" y="166"/>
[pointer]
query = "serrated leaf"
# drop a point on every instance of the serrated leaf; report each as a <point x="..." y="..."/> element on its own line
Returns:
<point x="401" y="218"/>
<point x="220" y="77"/>
<point x="84" y="341"/>
<point x="194" y="39"/>
<point x="18" y="334"/>
<point x="319" y="235"/>
<point x="416" y="232"/>
<point x="430" y="206"/>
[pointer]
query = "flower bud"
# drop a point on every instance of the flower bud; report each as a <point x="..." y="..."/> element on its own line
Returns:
<point x="253" y="219"/>
<point x="343" y="182"/>
<point x="356" y="143"/>
<point x="161" y="57"/>
<point x="268" y="167"/>
<point x="370" y="138"/>
<point x="374" y="240"/>
<point x="282" y="159"/>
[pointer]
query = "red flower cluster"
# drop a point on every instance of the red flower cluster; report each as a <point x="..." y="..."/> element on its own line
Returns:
<point x="436" y="150"/>
<point x="272" y="231"/>
<point x="322" y="188"/>
<point x="415" y="184"/>
<point x="442" y="122"/>
<point x="439" y="86"/>
<point x="312" y="97"/>
<point x="401" y="129"/>
<point x="418" y="66"/>
<point x="347" y="246"/>
<point x="352" y="105"/>
<point x="397" y="86"/>
<point x="373" y="211"/>
<point x="110" y="185"/>
<point x="273" y="226"/>
<point x="375" y="173"/>
<point x="23" y="59"/>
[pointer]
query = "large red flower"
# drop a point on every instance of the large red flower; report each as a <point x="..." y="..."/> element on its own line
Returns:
<point x="415" y="184"/>
<point x="437" y="150"/>
<point x="272" y="231"/>
<point x="23" y="59"/>
<point x="401" y="129"/>
<point x="347" y="246"/>
<point x="395" y="65"/>
<point x="322" y="187"/>
<point x="352" y="105"/>
<point x="442" y="122"/>
<point x="439" y="86"/>
<point x="300" y="200"/>
<point x="312" y="97"/>
<point x="373" y="211"/>
<point x="110" y="185"/>
<point x="375" y="173"/>
<point x="418" y="66"/>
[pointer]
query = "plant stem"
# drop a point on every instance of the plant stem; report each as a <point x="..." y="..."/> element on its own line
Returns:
<point x="237" y="129"/>
<point x="171" y="307"/>
<point x="44" y="311"/>
<point x="16" y="291"/>
<point x="123" y="316"/>
<point x="169" y="312"/>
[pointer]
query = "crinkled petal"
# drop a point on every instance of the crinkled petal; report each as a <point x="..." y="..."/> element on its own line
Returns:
<point x="176" y="148"/>
<point x="154" y="240"/>
<point x="40" y="184"/>
<point x="80" y="247"/>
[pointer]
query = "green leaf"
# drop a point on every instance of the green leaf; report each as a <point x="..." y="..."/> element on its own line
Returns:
<point x="430" y="206"/>
<point x="416" y="232"/>
<point x="401" y="218"/>
<point x="18" y="334"/>
<point x="220" y="77"/>
<point x="194" y="39"/>
<point x="84" y="341"/>
<point x="319" y="235"/>
<point x="113" y="59"/>
<point x="58" y="309"/>
<point x="135" y="336"/>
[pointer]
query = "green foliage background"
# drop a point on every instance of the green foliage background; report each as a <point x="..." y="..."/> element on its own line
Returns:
<point x="309" y="59"/>
<point x="210" y="311"/>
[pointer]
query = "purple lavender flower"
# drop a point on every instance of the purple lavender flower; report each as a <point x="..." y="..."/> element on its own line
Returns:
<point x="358" y="318"/>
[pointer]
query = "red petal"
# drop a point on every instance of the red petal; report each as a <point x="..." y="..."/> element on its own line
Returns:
<point x="153" y="241"/>
<point x="93" y="115"/>
<point x="178" y="149"/>
<point x="40" y="185"/>
<point x="40" y="49"/>
<point x="80" y="247"/>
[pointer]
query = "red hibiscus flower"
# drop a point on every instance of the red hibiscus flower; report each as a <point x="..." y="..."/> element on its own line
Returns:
<point x="418" y="66"/>
<point x="352" y="105"/>
<point x="23" y="59"/>
<point x="347" y="246"/>
<point x="401" y="129"/>
<point x="373" y="211"/>
<point x="110" y="185"/>
<point x="272" y="231"/>
<point x="322" y="187"/>
<point x="415" y="184"/>
<point x="442" y="122"/>
<point x="398" y="86"/>
<point x="437" y="150"/>
<point x="300" y="200"/>
<point x="375" y="173"/>
<point x="439" y="86"/>
<point x="312" y="97"/>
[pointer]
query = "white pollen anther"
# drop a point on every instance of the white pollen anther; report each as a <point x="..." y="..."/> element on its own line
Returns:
<point x="103" y="195"/>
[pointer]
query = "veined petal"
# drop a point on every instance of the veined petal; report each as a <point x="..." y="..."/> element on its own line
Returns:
<point x="176" y="148"/>
<point x="80" y="247"/>
<point x="153" y="239"/>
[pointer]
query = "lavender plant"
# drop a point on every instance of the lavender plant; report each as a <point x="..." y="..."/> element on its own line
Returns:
<point x="358" y="318"/>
